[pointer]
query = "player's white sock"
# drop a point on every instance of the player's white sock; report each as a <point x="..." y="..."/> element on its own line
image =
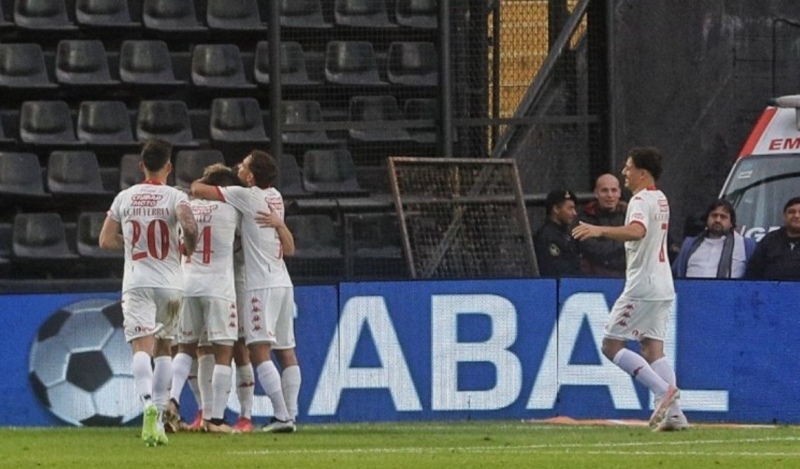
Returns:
<point x="162" y="377"/>
<point x="245" y="388"/>
<point x="192" y="382"/>
<point x="290" y="380"/>
<point x="181" y="366"/>
<point x="143" y="376"/>
<point x="663" y="368"/>
<point x="221" y="383"/>
<point x="270" y="380"/>
<point x="636" y="366"/>
<point x="205" y="372"/>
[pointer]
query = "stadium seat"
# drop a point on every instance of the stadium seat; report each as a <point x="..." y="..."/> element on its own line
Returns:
<point x="164" y="119"/>
<point x="330" y="172"/>
<point x="376" y="109"/>
<point x="189" y="165"/>
<point x="237" y="120"/>
<point x="290" y="181"/>
<point x="362" y="14"/>
<point x="22" y="67"/>
<point x="293" y="64"/>
<point x="88" y="236"/>
<point x="20" y="175"/>
<point x="46" y="123"/>
<point x="218" y="66"/>
<point x="373" y="246"/>
<point x="6" y="230"/>
<point x="146" y="63"/>
<point x="171" y="16"/>
<point x="40" y="236"/>
<point x="304" y="14"/>
<point x="423" y="14"/>
<point x="4" y="24"/>
<point x="413" y="64"/>
<point x="351" y="63"/>
<point x="82" y="63"/>
<point x="422" y="109"/>
<point x="74" y="173"/>
<point x="303" y="112"/>
<point x="315" y="236"/>
<point x="234" y="15"/>
<point x="104" y="123"/>
<point x="104" y="14"/>
<point x="44" y="15"/>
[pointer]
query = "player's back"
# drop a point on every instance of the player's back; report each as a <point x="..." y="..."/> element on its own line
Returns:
<point x="209" y="271"/>
<point x="648" y="274"/>
<point x="263" y="253"/>
<point x="148" y="216"/>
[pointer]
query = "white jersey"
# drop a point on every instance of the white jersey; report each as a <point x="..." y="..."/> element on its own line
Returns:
<point x="263" y="253"/>
<point x="148" y="216"/>
<point x="209" y="271"/>
<point x="648" y="275"/>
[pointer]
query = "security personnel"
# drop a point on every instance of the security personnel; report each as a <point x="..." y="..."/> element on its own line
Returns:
<point x="557" y="253"/>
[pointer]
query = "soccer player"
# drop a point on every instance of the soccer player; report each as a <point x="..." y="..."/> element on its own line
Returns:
<point x="269" y="322"/>
<point x="209" y="306"/>
<point x="245" y="380"/>
<point x="144" y="220"/>
<point x="642" y="311"/>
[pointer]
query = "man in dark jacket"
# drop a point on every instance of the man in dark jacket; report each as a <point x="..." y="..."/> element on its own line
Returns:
<point x="557" y="253"/>
<point x="603" y="257"/>
<point x="777" y="255"/>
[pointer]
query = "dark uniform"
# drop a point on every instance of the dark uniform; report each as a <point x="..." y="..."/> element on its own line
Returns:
<point x="603" y="257"/>
<point x="557" y="252"/>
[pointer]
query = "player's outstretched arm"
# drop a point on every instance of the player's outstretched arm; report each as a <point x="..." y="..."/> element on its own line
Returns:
<point x="202" y="190"/>
<point x="110" y="236"/>
<point x="189" y="227"/>
<point x="272" y="220"/>
<point x="629" y="232"/>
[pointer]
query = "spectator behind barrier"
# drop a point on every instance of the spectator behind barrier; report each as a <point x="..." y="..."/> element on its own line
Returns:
<point x="604" y="257"/>
<point x="777" y="255"/>
<point x="557" y="253"/>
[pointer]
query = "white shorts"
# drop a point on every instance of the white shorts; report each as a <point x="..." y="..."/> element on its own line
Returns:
<point x="151" y="311"/>
<point x="270" y="317"/>
<point x="638" y="319"/>
<point x="207" y="320"/>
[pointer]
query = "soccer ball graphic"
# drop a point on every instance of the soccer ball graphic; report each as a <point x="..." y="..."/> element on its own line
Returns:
<point x="80" y="365"/>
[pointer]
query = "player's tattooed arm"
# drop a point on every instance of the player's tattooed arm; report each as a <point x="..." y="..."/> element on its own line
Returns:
<point x="110" y="235"/>
<point x="189" y="227"/>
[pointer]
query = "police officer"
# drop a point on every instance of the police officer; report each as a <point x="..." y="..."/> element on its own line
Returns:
<point x="557" y="253"/>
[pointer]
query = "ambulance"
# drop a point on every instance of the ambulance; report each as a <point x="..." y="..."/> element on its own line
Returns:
<point x="767" y="172"/>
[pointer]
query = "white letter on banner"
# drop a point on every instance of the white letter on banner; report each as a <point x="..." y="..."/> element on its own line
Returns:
<point x="447" y="352"/>
<point x="337" y="375"/>
<point x="556" y="371"/>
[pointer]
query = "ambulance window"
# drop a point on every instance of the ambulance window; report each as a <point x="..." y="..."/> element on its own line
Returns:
<point x="758" y="188"/>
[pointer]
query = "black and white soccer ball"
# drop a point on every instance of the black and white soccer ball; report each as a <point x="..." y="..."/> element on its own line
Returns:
<point x="80" y="365"/>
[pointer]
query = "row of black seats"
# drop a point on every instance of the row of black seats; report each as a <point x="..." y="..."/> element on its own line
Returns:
<point x="230" y="120"/>
<point x="42" y="243"/>
<point x="181" y="16"/>
<point x="85" y="63"/>
<point x="78" y="173"/>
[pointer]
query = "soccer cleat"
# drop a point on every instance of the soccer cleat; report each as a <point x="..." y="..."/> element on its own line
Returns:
<point x="673" y="423"/>
<point x="211" y="427"/>
<point x="150" y="425"/>
<point x="198" y="425"/>
<point x="669" y="398"/>
<point x="279" y="426"/>
<point x="172" y="418"/>
<point x="161" y="434"/>
<point x="243" y="425"/>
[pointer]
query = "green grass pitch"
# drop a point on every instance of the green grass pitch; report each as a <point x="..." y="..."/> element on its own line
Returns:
<point x="415" y="445"/>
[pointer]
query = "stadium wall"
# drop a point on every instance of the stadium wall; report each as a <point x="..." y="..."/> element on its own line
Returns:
<point x="444" y="350"/>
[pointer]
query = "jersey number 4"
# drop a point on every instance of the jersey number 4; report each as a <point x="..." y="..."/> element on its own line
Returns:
<point x="203" y="246"/>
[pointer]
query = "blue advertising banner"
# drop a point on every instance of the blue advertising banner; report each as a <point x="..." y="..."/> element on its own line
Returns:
<point x="436" y="350"/>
